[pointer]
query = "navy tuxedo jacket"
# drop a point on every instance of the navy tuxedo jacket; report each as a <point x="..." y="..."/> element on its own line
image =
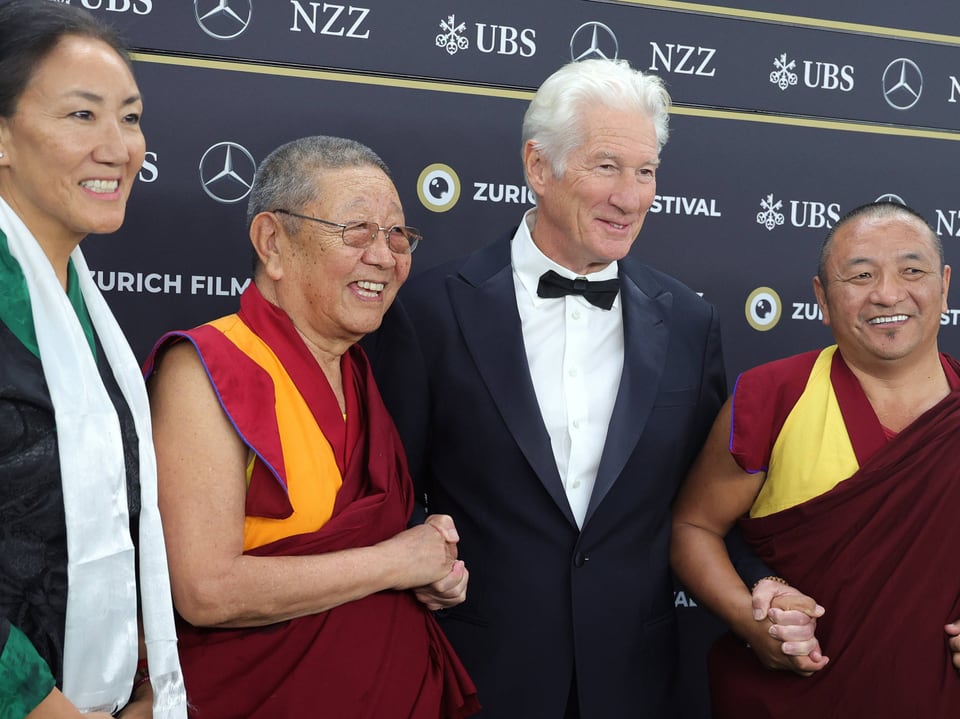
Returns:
<point x="544" y="596"/>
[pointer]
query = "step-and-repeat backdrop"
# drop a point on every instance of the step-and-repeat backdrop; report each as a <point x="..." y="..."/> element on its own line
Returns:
<point x="782" y="122"/>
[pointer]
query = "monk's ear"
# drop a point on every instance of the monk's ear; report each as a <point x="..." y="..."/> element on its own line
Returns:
<point x="268" y="238"/>
<point x="821" y="292"/>
<point x="946" y="287"/>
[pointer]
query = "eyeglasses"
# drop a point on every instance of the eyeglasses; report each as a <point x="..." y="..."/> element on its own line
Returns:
<point x="401" y="240"/>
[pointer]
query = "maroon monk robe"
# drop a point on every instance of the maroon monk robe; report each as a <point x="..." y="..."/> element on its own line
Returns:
<point x="879" y="552"/>
<point x="380" y="657"/>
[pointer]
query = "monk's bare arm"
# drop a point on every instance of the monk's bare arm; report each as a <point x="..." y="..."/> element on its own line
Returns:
<point x="716" y="493"/>
<point x="202" y="491"/>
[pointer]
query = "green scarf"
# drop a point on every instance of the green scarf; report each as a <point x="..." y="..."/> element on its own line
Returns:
<point x="15" y="310"/>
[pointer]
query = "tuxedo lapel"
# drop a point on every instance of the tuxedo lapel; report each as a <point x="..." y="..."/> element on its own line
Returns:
<point x="646" y="332"/>
<point x="483" y="298"/>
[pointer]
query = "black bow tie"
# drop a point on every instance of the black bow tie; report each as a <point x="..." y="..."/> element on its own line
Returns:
<point x="599" y="293"/>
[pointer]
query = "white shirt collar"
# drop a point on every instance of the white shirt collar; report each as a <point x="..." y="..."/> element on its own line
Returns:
<point x="529" y="263"/>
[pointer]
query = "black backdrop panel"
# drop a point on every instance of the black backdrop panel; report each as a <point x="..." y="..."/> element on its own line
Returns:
<point x="758" y="167"/>
<point x="725" y="61"/>
<point x="922" y="18"/>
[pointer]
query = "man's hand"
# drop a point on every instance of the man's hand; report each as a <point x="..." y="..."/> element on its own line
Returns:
<point x="451" y="589"/>
<point x="447" y="592"/>
<point x="953" y="631"/>
<point x="786" y="628"/>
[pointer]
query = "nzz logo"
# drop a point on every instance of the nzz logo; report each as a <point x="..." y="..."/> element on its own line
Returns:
<point x="337" y="20"/>
<point x="683" y="59"/>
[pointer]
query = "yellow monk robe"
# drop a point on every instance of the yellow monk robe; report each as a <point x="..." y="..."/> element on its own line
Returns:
<point x="813" y="452"/>
<point x="309" y="468"/>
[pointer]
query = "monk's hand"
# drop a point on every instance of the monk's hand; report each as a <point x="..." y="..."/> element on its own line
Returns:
<point x="785" y="633"/>
<point x="422" y="555"/>
<point x="447" y="592"/>
<point x="953" y="643"/>
<point x="451" y="589"/>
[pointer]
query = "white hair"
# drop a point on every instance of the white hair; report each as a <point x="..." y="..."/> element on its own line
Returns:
<point x="553" y="121"/>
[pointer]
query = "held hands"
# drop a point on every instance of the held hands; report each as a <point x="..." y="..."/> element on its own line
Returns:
<point x="785" y="632"/>
<point x="431" y="568"/>
<point x="953" y="644"/>
<point x="449" y="590"/>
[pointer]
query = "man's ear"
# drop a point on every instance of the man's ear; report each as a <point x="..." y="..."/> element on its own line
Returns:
<point x="266" y="235"/>
<point x="821" y="292"/>
<point x="536" y="167"/>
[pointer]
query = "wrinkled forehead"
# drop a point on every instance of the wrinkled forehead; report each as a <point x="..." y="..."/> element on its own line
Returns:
<point x="884" y="237"/>
<point x="362" y="187"/>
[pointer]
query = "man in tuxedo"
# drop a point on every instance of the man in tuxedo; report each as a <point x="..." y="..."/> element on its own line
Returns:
<point x="551" y="393"/>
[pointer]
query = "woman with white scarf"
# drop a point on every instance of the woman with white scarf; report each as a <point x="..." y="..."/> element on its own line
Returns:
<point x="86" y="624"/>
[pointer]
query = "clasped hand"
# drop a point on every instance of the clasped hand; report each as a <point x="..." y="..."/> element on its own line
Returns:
<point x="785" y="632"/>
<point x="437" y="578"/>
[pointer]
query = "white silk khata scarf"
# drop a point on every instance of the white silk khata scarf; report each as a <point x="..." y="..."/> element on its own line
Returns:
<point x="100" y="643"/>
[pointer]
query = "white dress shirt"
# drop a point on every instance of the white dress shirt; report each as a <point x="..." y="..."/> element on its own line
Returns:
<point x="575" y="354"/>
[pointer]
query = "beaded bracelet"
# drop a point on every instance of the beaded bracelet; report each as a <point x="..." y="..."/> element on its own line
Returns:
<point x="781" y="580"/>
<point x="142" y="676"/>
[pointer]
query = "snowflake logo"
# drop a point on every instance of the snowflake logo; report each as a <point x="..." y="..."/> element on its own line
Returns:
<point x="451" y="37"/>
<point x="783" y="76"/>
<point x="770" y="217"/>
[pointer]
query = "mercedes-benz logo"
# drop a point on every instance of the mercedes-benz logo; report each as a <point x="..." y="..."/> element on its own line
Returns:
<point x="594" y="40"/>
<point x="226" y="172"/>
<point x="902" y="84"/>
<point x="890" y="197"/>
<point x="223" y="19"/>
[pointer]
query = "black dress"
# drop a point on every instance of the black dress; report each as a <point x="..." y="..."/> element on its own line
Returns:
<point x="33" y="538"/>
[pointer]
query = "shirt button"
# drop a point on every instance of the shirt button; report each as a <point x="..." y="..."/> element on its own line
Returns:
<point x="576" y="484"/>
<point x="572" y="372"/>
<point x="576" y="424"/>
<point x="575" y="314"/>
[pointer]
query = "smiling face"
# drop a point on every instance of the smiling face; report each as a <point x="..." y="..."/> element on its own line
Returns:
<point x="334" y="293"/>
<point x="590" y="216"/>
<point x="885" y="290"/>
<point x="73" y="146"/>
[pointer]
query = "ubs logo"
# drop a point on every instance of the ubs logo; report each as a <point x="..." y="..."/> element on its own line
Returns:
<point x="817" y="74"/>
<point x="226" y="172"/>
<point x="763" y="309"/>
<point x="223" y="19"/>
<point x="452" y="37"/>
<point x="810" y="214"/>
<point x="489" y="39"/>
<point x="139" y="7"/>
<point x="770" y="215"/>
<point x="783" y="75"/>
<point x="902" y="84"/>
<point x="438" y="187"/>
<point x="594" y="40"/>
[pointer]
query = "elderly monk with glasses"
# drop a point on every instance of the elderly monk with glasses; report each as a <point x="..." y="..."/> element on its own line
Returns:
<point x="299" y="589"/>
